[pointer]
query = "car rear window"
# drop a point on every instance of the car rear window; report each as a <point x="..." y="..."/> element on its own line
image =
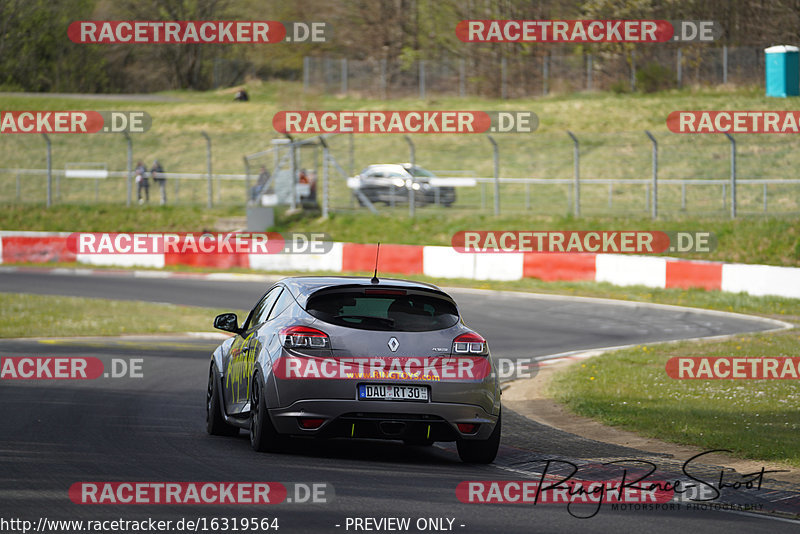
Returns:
<point x="396" y="310"/>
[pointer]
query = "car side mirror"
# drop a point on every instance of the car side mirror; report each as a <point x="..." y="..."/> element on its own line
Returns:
<point x="227" y="322"/>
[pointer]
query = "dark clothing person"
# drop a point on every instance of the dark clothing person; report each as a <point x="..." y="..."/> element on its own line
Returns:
<point x="157" y="172"/>
<point x="241" y="96"/>
<point x="259" y="189"/>
<point x="142" y="183"/>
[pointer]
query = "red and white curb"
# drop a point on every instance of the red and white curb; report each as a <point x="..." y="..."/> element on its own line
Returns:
<point x="439" y="262"/>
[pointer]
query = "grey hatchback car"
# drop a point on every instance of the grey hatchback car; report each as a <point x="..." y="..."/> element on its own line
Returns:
<point x="347" y="357"/>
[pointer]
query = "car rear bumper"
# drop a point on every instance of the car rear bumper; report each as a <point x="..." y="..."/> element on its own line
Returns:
<point x="384" y="419"/>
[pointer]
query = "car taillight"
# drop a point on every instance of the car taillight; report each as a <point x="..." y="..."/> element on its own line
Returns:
<point x="310" y="423"/>
<point x="467" y="428"/>
<point x="304" y="336"/>
<point x="470" y="343"/>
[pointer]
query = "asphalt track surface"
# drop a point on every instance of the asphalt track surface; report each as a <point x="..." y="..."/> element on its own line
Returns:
<point x="55" y="433"/>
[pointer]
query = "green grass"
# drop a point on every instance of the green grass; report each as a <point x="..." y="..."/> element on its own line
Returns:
<point x="610" y="127"/>
<point x="113" y="218"/>
<point x="78" y="316"/>
<point x="630" y="389"/>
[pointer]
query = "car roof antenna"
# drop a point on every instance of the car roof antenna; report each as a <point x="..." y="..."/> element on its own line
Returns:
<point x="375" y="275"/>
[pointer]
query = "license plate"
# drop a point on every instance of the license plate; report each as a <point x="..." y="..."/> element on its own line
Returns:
<point x="392" y="393"/>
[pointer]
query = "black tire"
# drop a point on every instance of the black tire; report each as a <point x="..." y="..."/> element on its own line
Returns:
<point x="215" y="423"/>
<point x="263" y="436"/>
<point x="482" y="451"/>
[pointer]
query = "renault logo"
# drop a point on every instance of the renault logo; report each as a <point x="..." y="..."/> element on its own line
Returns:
<point x="393" y="344"/>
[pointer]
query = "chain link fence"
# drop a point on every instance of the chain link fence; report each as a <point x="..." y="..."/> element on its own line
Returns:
<point x="524" y="75"/>
<point x="611" y="174"/>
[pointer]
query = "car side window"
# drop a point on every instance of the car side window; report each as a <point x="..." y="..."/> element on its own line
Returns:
<point x="262" y="309"/>
<point x="284" y="301"/>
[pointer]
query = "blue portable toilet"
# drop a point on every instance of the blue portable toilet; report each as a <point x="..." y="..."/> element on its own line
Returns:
<point x="783" y="70"/>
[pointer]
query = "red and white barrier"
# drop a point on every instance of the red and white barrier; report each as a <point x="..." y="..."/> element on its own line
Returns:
<point x="441" y="262"/>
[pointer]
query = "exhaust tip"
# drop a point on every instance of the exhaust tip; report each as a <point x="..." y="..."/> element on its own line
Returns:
<point x="392" y="428"/>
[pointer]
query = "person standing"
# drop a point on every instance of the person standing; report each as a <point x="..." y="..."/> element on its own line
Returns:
<point x="142" y="183"/>
<point x="157" y="172"/>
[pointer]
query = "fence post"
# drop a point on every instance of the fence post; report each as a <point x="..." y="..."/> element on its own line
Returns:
<point x="496" y="154"/>
<point x="462" y="74"/>
<point x="545" y="73"/>
<point x="130" y="165"/>
<point x="765" y="198"/>
<point x="576" y="172"/>
<point x="19" y="188"/>
<point x="589" y="72"/>
<point x="344" y="76"/>
<point x="733" y="174"/>
<point x="383" y="79"/>
<point x="422" y="79"/>
<point x="352" y="155"/>
<point x="306" y="73"/>
<point x="210" y="203"/>
<point x="725" y="64"/>
<point x="680" y="67"/>
<point x="655" y="175"/>
<point x="49" y="171"/>
<point x="325" y="156"/>
<point x="413" y="159"/>
<point x="683" y="196"/>
<point x="247" y="193"/>
<point x="503" y="80"/>
<point x="633" y="70"/>
<point x="293" y="181"/>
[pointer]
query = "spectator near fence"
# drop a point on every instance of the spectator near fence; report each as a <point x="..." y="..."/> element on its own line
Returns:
<point x="142" y="183"/>
<point x="157" y="172"/>
<point x="261" y="185"/>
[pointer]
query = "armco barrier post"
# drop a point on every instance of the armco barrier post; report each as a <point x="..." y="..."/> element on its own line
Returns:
<point x="733" y="174"/>
<point x="49" y="171"/>
<point x="210" y="202"/>
<point x="576" y="174"/>
<point x="655" y="175"/>
<point x="413" y="161"/>
<point x="496" y="154"/>
<point x="130" y="166"/>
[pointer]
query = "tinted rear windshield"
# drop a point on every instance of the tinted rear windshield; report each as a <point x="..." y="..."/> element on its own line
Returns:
<point x="396" y="310"/>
